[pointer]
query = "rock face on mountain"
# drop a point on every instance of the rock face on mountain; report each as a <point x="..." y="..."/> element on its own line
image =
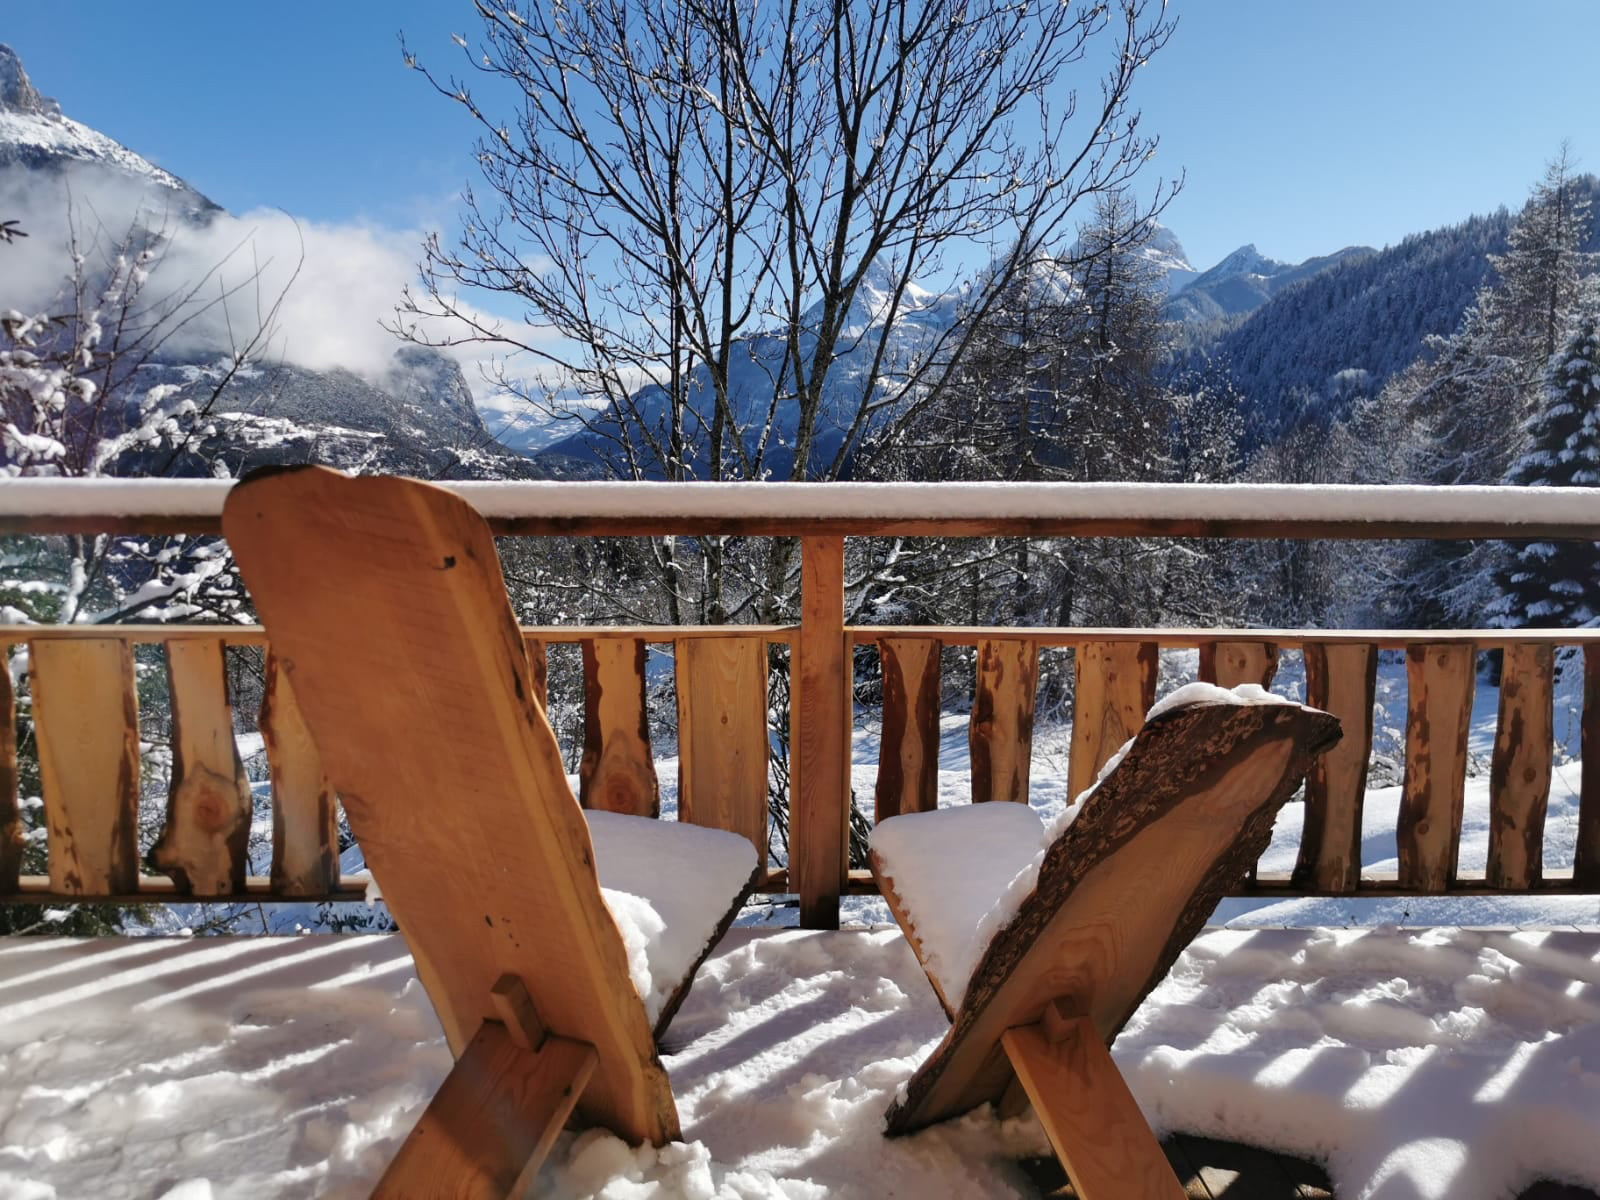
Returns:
<point x="417" y="417"/>
<point x="1245" y="280"/>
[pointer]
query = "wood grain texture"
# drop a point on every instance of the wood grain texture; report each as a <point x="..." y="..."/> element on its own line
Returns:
<point x="1439" y="684"/>
<point x="819" y="727"/>
<point x="204" y="844"/>
<point x="492" y="1121"/>
<point x="86" y="722"/>
<point x="1519" y="777"/>
<point x="385" y="602"/>
<point x="1000" y="734"/>
<point x="305" y="812"/>
<point x="1091" y="1118"/>
<point x="1115" y="685"/>
<point x="618" y="772"/>
<point x="1228" y="664"/>
<point x="12" y="836"/>
<point x="1124" y="889"/>
<point x="722" y="736"/>
<point x="1586" y="863"/>
<point x="1342" y="680"/>
<point x="908" y="757"/>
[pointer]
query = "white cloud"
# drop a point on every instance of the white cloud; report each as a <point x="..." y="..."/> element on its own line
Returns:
<point x="339" y="282"/>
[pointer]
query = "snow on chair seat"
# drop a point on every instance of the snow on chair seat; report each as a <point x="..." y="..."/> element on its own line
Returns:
<point x="384" y="602"/>
<point x="669" y="919"/>
<point x="1084" y="930"/>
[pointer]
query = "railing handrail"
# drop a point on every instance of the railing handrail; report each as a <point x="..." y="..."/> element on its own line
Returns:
<point x="1248" y="510"/>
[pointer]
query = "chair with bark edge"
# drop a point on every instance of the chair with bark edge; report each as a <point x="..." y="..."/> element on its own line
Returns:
<point x="1041" y="943"/>
<point x="383" y="601"/>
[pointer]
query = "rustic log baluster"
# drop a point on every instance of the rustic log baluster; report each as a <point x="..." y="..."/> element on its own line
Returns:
<point x="1340" y="679"/>
<point x="1439" y="680"/>
<point x="538" y="670"/>
<point x="908" y="761"/>
<point x="86" y="721"/>
<point x="1586" y="864"/>
<point x="305" y="816"/>
<point x="722" y="735"/>
<point x="204" y="844"/>
<point x="11" y="832"/>
<point x="1519" y="780"/>
<point x="1115" y="685"/>
<point x="1000" y="735"/>
<point x="617" y="773"/>
<point x="1228" y="664"/>
<point x="819" y="737"/>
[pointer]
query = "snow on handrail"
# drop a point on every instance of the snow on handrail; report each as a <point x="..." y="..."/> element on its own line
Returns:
<point x="114" y="505"/>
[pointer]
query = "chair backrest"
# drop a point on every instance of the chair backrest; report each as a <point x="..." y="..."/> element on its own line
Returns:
<point x="1125" y="887"/>
<point x="384" y="602"/>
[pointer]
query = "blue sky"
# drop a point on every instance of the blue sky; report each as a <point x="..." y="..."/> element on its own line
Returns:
<point x="1302" y="127"/>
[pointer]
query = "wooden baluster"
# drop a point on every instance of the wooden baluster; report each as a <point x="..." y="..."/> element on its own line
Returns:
<point x="86" y="722"/>
<point x="1000" y="734"/>
<point x="204" y="844"/>
<point x="722" y="735"/>
<point x="1342" y="680"/>
<point x="1519" y="780"/>
<point x="305" y="817"/>
<point x="12" y="835"/>
<point x="617" y="773"/>
<point x="908" y="760"/>
<point x="538" y="670"/>
<point x="1439" y="679"/>
<point x="1228" y="664"/>
<point x="1586" y="864"/>
<point x="1115" y="685"/>
<point x="819" y="745"/>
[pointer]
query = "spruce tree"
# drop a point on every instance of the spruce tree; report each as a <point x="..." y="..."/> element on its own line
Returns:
<point x="1558" y="583"/>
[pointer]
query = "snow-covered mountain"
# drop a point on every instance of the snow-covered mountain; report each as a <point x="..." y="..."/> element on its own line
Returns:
<point x="415" y="414"/>
<point x="36" y="135"/>
<point x="1244" y="281"/>
<point x="1165" y="250"/>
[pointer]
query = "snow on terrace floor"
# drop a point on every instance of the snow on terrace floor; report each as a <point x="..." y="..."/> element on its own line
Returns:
<point x="1417" y="1064"/>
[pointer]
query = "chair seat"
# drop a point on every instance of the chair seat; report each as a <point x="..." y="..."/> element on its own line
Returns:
<point x="667" y="887"/>
<point x="958" y="874"/>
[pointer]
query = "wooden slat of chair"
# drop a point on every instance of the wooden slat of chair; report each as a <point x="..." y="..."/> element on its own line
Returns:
<point x="1088" y="1113"/>
<point x="1519" y="777"/>
<point x="384" y="599"/>
<point x="12" y="837"/>
<point x="1439" y="683"/>
<point x="1342" y="680"/>
<point x="305" y="812"/>
<point x="908" y="760"/>
<point x="722" y="735"/>
<point x="1124" y="889"/>
<point x="86" y="721"/>
<point x="204" y="844"/>
<point x="492" y="1122"/>
<point x="618" y="772"/>
<point x="1000" y="736"/>
<point x="1114" y="686"/>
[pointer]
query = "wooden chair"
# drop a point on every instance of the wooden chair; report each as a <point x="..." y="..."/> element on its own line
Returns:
<point x="1120" y="891"/>
<point x="385" y="606"/>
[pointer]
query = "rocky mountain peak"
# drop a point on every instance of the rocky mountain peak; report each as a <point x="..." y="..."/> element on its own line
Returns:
<point x="17" y="92"/>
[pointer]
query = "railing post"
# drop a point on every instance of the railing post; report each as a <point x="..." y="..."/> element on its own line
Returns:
<point x="819" y="724"/>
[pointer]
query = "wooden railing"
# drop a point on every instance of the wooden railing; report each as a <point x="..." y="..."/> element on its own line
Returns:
<point x="84" y="702"/>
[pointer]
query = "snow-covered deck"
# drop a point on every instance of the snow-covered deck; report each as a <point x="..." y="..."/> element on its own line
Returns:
<point x="1416" y="1064"/>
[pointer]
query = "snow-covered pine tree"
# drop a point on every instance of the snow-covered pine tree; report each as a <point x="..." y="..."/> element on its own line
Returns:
<point x="1558" y="583"/>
